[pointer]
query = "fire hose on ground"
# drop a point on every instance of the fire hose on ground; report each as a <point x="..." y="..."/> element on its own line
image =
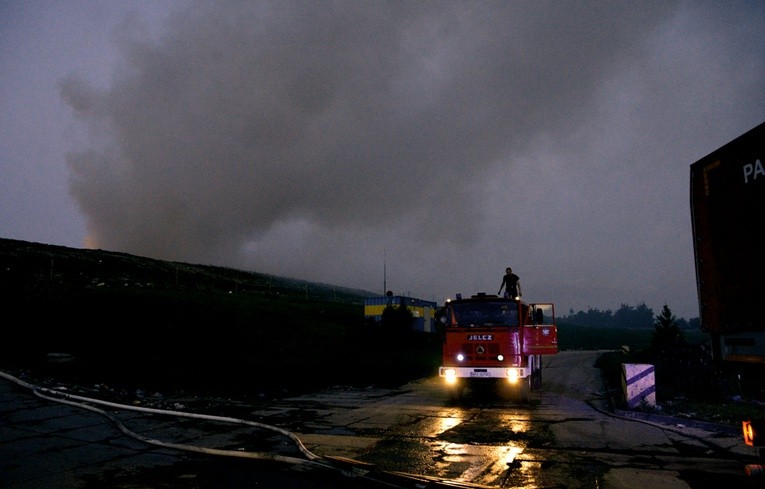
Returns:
<point x="347" y="467"/>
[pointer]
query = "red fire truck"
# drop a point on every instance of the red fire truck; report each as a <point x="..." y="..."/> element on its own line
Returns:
<point x="495" y="341"/>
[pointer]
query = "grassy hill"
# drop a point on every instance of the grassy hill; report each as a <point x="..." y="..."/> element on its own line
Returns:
<point x="130" y="321"/>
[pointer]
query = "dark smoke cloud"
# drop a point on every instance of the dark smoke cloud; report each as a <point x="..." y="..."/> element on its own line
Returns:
<point x="336" y="113"/>
<point x="306" y="137"/>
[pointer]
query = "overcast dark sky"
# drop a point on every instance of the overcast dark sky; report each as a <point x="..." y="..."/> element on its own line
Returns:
<point x="424" y="145"/>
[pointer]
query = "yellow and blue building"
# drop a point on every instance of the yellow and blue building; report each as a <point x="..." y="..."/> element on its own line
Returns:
<point x="424" y="312"/>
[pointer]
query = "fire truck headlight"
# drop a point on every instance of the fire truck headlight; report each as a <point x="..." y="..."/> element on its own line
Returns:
<point x="512" y="375"/>
<point x="460" y="357"/>
<point x="500" y="357"/>
<point x="450" y="375"/>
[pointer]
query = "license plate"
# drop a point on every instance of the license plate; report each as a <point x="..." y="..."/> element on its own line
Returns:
<point x="479" y="374"/>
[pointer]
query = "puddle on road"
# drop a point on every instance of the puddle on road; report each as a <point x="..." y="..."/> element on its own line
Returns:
<point x="494" y="447"/>
<point x="479" y="441"/>
<point x="491" y="427"/>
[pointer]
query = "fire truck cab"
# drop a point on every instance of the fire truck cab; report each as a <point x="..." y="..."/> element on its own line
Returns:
<point x="494" y="341"/>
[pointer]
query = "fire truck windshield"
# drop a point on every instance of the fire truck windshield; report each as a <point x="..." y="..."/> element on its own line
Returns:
<point x="484" y="314"/>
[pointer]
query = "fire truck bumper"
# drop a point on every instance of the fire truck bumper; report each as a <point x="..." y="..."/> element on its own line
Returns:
<point x="512" y="374"/>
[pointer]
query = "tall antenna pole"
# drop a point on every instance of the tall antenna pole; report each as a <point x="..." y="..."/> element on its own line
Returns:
<point x="385" y="272"/>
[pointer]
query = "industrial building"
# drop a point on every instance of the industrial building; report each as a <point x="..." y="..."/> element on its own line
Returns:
<point x="423" y="311"/>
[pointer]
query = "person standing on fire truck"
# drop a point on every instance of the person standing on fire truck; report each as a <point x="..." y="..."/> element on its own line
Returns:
<point x="511" y="283"/>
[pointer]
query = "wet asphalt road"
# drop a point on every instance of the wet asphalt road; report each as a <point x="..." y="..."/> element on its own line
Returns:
<point x="561" y="440"/>
<point x="45" y="443"/>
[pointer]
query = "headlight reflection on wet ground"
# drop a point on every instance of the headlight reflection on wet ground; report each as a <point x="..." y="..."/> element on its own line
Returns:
<point x="514" y="423"/>
<point x="512" y="452"/>
<point x="488" y="465"/>
<point x="445" y="424"/>
<point x="484" y="448"/>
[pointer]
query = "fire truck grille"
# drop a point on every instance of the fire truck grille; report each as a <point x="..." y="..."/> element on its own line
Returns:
<point x="481" y="351"/>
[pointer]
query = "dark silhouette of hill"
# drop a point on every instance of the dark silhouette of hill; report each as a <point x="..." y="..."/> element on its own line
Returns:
<point x="135" y="322"/>
<point x="48" y="267"/>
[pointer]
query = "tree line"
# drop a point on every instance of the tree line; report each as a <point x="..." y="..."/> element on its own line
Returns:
<point x="637" y="317"/>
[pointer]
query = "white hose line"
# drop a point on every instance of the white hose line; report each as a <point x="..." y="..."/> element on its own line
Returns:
<point x="347" y="467"/>
<point x="69" y="399"/>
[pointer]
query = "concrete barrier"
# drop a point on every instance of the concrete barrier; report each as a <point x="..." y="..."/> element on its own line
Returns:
<point x="639" y="384"/>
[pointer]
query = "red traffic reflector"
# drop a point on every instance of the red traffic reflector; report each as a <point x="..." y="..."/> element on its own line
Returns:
<point x="754" y="432"/>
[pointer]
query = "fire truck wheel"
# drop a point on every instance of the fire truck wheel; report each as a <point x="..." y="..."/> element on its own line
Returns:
<point x="536" y="379"/>
<point x="524" y="387"/>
